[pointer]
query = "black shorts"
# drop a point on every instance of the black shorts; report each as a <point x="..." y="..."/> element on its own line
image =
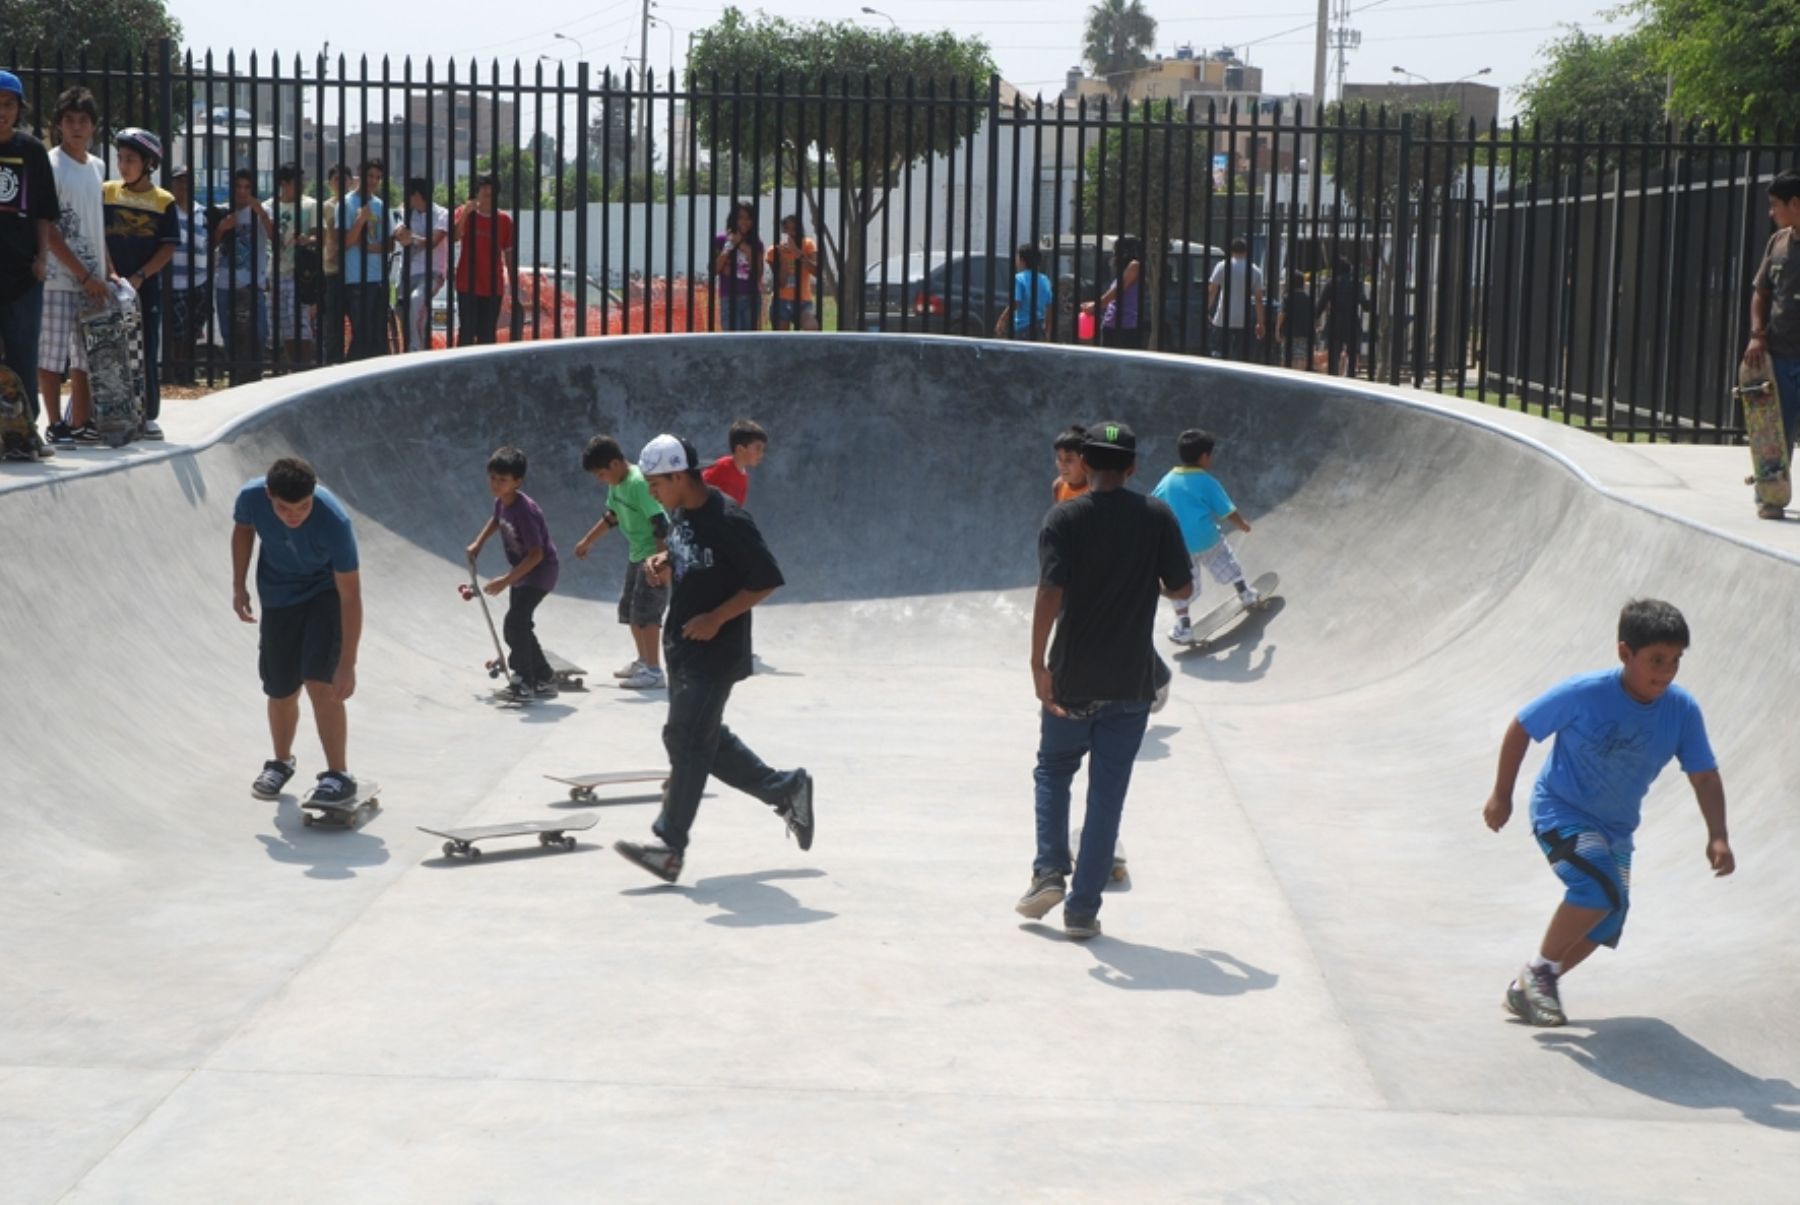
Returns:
<point x="301" y="644"/>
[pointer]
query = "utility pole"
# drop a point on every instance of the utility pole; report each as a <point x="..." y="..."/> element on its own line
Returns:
<point x="1320" y="54"/>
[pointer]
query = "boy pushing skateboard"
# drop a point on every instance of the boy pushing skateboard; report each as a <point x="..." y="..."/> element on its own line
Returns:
<point x="309" y="585"/>
<point x="1615" y="731"/>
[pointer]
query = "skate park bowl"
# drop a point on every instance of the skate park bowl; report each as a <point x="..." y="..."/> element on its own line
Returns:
<point x="1298" y="993"/>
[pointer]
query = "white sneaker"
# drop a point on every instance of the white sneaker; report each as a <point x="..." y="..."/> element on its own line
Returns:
<point x="1250" y="597"/>
<point x="646" y="678"/>
<point x="1182" y="632"/>
<point x="627" y="671"/>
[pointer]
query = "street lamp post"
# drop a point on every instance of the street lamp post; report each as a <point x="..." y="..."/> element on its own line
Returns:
<point x="580" y="50"/>
<point x="1442" y="89"/>
<point x="875" y="12"/>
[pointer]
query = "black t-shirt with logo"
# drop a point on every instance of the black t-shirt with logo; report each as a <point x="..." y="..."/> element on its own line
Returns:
<point x="1111" y="552"/>
<point x="27" y="195"/>
<point x="716" y="552"/>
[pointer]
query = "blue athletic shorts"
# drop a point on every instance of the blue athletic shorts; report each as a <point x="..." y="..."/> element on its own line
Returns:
<point x="1595" y="874"/>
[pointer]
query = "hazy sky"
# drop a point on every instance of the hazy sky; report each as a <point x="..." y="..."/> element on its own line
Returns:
<point x="1034" y="41"/>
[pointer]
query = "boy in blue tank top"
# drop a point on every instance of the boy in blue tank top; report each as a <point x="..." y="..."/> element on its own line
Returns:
<point x="1615" y="730"/>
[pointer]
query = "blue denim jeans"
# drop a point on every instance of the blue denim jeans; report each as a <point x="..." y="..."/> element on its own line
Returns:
<point x="1108" y="735"/>
<point x="20" y="319"/>
<point x="738" y="312"/>
<point x="1787" y="387"/>
<point x="245" y="330"/>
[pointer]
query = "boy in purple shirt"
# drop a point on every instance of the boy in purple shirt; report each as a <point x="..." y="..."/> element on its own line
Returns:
<point x="532" y="555"/>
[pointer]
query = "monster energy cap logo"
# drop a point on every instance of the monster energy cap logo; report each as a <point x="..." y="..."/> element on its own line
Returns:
<point x="1116" y="436"/>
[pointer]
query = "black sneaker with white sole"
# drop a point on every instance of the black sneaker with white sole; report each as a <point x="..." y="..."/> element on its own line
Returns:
<point x="335" y="786"/>
<point x="659" y="860"/>
<point x="1046" y="892"/>
<point x="797" y="808"/>
<point x="274" y="776"/>
<point x="1081" y="928"/>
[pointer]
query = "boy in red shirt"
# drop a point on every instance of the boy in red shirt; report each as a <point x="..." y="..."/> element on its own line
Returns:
<point x="730" y="475"/>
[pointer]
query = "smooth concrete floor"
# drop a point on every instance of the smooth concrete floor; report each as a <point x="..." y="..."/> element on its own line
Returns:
<point x="1298" y="993"/>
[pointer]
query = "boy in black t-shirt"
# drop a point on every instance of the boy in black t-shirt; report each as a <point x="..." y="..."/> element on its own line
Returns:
<point x="721" y="569"/>
<point x="28" y="207"/>
<point x="1103" y="560"/>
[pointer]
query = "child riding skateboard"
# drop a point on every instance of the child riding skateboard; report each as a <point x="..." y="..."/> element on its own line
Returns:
<point x="532" y="568"/>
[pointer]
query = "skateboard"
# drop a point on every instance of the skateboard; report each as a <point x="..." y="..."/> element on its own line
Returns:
<point x="16" y="427"/>
<point x="563" y="672"/>
<point x="1768" y="441"/>
<point x="1120" y="870"/>
<point x="1231" y="608"/>
<point x="343" y="815"/>
<point x="113" y="334"/>
<point x="549" y="832"/>
<point x="582" y="786"/>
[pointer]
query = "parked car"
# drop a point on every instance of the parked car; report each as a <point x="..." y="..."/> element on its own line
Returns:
<point x="930" y="292"/>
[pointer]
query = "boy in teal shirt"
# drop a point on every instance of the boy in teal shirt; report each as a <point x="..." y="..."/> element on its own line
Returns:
<point x="631" y="509"/>
<point x="1200" y="505"/>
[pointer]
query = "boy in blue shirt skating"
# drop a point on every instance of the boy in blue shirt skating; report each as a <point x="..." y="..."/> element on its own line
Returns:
<point x="1201" y="505"/>
<point x="1615" y="731"/>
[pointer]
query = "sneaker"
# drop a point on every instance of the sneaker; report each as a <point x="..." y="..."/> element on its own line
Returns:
<point x="274" y="776"/>
<point x="1047" y="891"/>
<point x="646" y="678"/>
<point x="1081" y="928"/>
<point x="86" y="435"/>
<point x="1770" y="512"/>
<point x="627" y="671"/>
<point x="545" y="690"/>
<point x="659" y="860"/>
<point x="148" y="429"/>
<point x="1182" y="632"/>
<point x="1532" y="998"/>
<point x="797" y="808"/>
<point x="334" y="787"/>
<point x="1162" y="697"/>
<point x="60" y="433"/>
<point x="1249" y="596"/>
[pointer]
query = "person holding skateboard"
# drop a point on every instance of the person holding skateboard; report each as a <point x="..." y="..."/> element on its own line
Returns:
<point x="720" y="569"/>
<point x="534" y="567"/>
<point x="141" y="234"/>
<point x="631" y="509"/>
<point x="1615" y="730"/>
<point x="79" y="269"/>
<point x="1201" y="504"/>
<point x="1775" y="309"/>
<point x="1103" y="560"/>
<point x="309" y="584"/>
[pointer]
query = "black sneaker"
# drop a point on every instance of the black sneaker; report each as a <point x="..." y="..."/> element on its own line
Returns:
<point x="86" y="436"/>
<point x="334" y="787"/>
<point x="1081" y="928"/>
<point x="61" y="433"/>
<point x="274" y="776"/>
<point x="659" y="860"/>
<point x="1047" y="891"/>
<point x="797" y="808"/>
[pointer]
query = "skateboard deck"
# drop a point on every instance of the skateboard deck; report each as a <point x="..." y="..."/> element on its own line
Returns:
<point x="1228" y="610"/>
<point x="582" y="787"/>
<point x="342" y="815"/>
<point x="564" y="672"/>
<point x="471" y="589"/>
<point x="549" y="832"/>
<point x="16" y="427"/>
<point x="1120" y="870"/>
<point x="113" y="334"/>
<point x="1769" y="451"/>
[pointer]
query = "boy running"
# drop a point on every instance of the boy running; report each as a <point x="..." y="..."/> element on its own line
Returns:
<point x="79" y="269"/>
<point x="309" y="584"/>
<point x="140" y="239"/>
<point x="1103" y="559"/>
<point x="730" y="474"/>
<point x="1201" y="504"/>
<point x="1071" y="471"/>
<point x="631" y="509"/>
<point x="532" y="556"/>
<point x="1615" y="731"/>
<point x="721" y="569"/>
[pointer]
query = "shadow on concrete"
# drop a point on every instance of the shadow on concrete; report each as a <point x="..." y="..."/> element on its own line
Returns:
<point x="328" y="852"/>
<point x="1654" y="1059"/>
<point x="1233" y="655"/>
<point x="537" y="711"/>
<point x="1156" y="742"/>
<point x="1144" y="968"/>
<point x="609" y="801"/>
<point x="747" y="901"/>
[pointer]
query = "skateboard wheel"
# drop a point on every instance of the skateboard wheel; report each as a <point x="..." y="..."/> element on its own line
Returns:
<point x="449" y="849"/>
<point x="568" y="844"/>
<point x="546" y="838"/>
<point x="472" y="852"/>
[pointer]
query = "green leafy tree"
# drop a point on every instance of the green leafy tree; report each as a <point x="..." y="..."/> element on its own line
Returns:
<point x="1728" y="61"/>
<point x="99" y="33"/>
<point x="1367" y="166"/>
<point x="1118" y="37"/>
<point x="1594" y="84"/>
<point x="826" y="59"/>
<point x="502" y="164"/>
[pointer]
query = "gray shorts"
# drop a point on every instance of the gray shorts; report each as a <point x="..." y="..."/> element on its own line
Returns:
<point x="640" y="604"/>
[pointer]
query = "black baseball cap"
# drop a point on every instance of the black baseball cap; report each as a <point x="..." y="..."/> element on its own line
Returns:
<point x="1114" y="436"/>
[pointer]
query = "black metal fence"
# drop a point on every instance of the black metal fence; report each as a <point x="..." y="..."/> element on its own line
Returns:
<point x="1599" y="276"/>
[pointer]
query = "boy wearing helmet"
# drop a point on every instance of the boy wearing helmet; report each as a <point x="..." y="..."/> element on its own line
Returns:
<point x="141" y="234"/>
<point x="28" y="209"/>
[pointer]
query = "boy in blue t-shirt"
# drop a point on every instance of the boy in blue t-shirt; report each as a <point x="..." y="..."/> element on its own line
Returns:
<point x="310" y="586"/>
<point x="1201" y="504"/>
<point x="1615" y="731"/>
<point x="1032" y="295"/>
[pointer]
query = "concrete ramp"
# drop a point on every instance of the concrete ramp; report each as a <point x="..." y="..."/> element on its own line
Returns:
<point x="1297" y="998"/>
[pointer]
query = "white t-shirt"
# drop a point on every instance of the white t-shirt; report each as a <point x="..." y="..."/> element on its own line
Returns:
<point x="83" y="220"/>
<point x="1246" y="282"/>
<point x="416" y="257"/>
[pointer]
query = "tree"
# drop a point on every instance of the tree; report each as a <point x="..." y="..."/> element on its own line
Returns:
<point x="1728" y="61"/>
<point x="1593" y="83"/>
<point x="97" y="33"/>
<point x="1119" y="36"/>
<point x="835" y="62"/>
<point x="1366" y="166"/>
<point x="612" y="137"/>
<point x="1174" y="208"/>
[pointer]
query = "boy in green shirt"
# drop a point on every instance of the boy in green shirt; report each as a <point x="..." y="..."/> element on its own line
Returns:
<point x="630" y="508"/>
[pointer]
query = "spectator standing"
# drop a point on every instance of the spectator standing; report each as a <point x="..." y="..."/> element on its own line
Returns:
<point x="140" y="240"/>
<point x="190" y="280"/>
<point x="79" y="268"/>
<point x="331" y="291"/>
<point x="1775" y="307"/>
<point x="363" y="218"/>
<point x="1122" y="305"/>
<point x="795" y="262"/>
<point x="486" y="257"/>
<point x="28" y="212"/>
<point x="241" y="242"/>
<point x="1032" y="298"/>
<point x="737" y="267"/>
<point x="1344" y="302"/>
<point x="1295" y="326"/>
<point x="296" y="223"/>
<point x="426" y="240"/>
<point x="1235" y="297"/>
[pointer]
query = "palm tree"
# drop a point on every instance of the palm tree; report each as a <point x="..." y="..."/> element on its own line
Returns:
<point x="1119" y="32"/>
